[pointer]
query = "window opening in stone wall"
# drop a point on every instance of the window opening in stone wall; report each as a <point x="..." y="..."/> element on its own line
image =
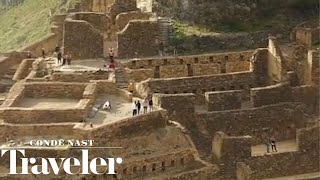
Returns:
<point x="226" y="58"/>
<point x="125" y="171"/>
<point x="213" y="89"/>
<point x="134" y="63"/>
<point x="144" y="168"/>
<point x="211" y="59"/>
<point x="165" y="62"/>
<point x="157" y="72"/>
<point x="241" y="58"/>
<point x="150" y="62"/>
<point x="190" y="70"/>
<point x="181" y="61"/>
<point x="172" y="163"/>
<point x="182" y="161"/>
<point x="153" y="167"/>
<point x="134" y="169"/>
<point x="241" y="87"/>
<point x="163" y="166"/>
<point x="196" y="60"/>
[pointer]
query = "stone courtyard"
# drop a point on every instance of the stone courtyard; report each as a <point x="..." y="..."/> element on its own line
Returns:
<point x="212" y="113"/>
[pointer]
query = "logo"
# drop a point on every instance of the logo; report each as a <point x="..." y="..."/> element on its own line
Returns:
<point x="70" y="165"/>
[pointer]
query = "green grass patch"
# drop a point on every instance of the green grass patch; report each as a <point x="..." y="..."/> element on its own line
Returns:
<point x="28" y="22"/>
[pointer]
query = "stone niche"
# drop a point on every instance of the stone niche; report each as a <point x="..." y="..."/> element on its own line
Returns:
<point x="223" y="100"/>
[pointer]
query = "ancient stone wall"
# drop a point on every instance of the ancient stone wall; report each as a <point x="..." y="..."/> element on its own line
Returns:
<point x="277" y="68"/>
<point x="314" y="70"/>
<point x="24" y="69"/>
<point x="120" y="6"/>
<point x="306" y="34"/>
<point x="137" y="39"/>
<point x="223" y="100"/>
<point x="287" y="164"/>
<point x="183" y="66"/>
<point x="199" y="85"/>
<point x="16" y="131"/>
<point x="55" y="90"/>
<point x="228" y="150"/>
<point x="101" y="5"/>
<point x="49" y="43"/>
<point x="273" y="94"/>
<point x="11" y="59"/>
<point x="80" y="77"/>
<point x="123" y="19"/>
<point x="281" y="119"/>
<point x="99" y="21"/>
<point x="82" y="40"/>
<point x="134" y="126"/>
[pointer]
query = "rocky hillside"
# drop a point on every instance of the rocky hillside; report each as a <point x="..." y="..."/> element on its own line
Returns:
<point x="25" y="21"/>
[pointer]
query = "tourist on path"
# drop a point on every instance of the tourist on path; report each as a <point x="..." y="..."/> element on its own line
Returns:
<point x="69" y="59"/>
<point x="59" y="57"/>
<point x="150" y="105"/>
<point x="145" y="106"/>
<point x="134" y="108"/>
<point x="43" y="53"/>
<point x="138" y="107"/>
<point x="64" y="59"/>
<point x="273" y="145"/>
<point x="111" y="55"/>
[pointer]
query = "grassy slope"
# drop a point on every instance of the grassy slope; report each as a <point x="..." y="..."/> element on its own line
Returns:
<point x="28" y="22"/>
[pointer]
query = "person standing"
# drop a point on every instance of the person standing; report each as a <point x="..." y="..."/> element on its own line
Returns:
<point x="43" y="53"/>
<point x="111" y="55"/>
<point x="145" y="106"/>
<point x="273" y="145"/>
<point x="134" y="108"/>
<point x="59" y="57"/>
<point x="150" y="105"/>
<point x="69" y="59"/>
<point x="64" y="59"/>
<point x="138" y="107"/>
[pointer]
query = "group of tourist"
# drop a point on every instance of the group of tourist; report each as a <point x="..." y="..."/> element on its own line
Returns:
<point x="111" y="58"/>
<point x="63" y="58"/>
<point x="147" y="104"/>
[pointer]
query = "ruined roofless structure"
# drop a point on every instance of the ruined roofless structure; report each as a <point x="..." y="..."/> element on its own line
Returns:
<point x="212" y="113"/>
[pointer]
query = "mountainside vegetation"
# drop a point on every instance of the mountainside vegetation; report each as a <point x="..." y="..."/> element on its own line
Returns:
<point x="25" y="21"/>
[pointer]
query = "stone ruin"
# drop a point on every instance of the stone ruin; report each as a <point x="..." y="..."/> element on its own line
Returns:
<point x="213" y="112"/>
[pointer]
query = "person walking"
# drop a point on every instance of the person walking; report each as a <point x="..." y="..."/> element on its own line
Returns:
<point x="138" y="107"/>
<point x="273" y="145"/>
<point x="145" y="106"/>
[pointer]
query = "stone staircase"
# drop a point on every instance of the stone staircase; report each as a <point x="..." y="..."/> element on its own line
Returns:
<point x="166" y="29"/>
<point x="121" y="78"/>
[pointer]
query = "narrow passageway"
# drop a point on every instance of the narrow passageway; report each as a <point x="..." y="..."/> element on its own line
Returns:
<point x="282" y="147"/>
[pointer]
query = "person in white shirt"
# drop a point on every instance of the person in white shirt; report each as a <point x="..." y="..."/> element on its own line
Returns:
<point x="134" y="108"/>
<point x="106" y="106"/>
